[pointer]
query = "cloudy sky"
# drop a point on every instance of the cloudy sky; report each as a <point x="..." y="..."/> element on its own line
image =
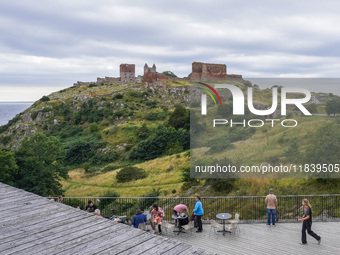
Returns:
<point x="48" y="45"/>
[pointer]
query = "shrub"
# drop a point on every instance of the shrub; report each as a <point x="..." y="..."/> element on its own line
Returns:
<point x="143" y="132"/>
<point x="118" y="96"/>
<point x="130" y="173"/>
<point x="136" y="94"/>
<point x="151" y="104"/>
<point x="94" y="127"/>
<point x="34" y="115"/>
<point x="45" y="99"/>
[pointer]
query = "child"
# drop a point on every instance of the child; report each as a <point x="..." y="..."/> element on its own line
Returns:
<point x="158" y="220"/>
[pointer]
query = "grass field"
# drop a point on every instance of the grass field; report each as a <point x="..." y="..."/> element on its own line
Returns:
<point x="162" y="173"/>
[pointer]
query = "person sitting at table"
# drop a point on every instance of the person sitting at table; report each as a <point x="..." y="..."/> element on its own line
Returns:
<point x="155" y="211"/>
<point x="181" y="208"/>
<point x="198" y="211"/>
<point x="138" y="218"/>
<point x="91" y="207"/>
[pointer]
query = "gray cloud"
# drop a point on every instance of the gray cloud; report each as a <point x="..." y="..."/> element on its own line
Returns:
<point x="55" y="43"/>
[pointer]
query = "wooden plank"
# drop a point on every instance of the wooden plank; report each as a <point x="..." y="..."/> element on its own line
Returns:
<point x="41" y="232"/>
<point x="66" y="248"/>
<point x="178" y="249"/>
<point x="47" y="235"/>
<point x="27" y="214"/>
<point x="128" y="243"/>
<point x="164" y="247"/>
<point x="15" y="195"/>
<point x="60" y="241"/>
<point x="31" y="225"/>
<point x="111" y="240"/>
<point x="18" y="207"/>
<point x="13" y="234"/>
<point x="143" y="247"/>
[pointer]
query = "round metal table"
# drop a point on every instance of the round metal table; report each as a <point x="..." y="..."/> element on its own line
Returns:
<point x="223" y="216"/>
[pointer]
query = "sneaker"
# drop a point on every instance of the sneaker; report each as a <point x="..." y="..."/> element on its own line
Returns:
<point x="319" y="241"/>
<point x="303" y="243"/>
<point x="198" y="231"/>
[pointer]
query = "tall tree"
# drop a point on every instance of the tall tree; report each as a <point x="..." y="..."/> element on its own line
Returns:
<point x="40" y="161"/>
<point x="333" y="106"/>
<point x="8" y="167"/>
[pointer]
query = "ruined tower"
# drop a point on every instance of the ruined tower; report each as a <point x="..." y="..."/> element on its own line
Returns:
<point x="150" y="73"/>
<point x="208" y="72"/>
<point x="127" y="73"/>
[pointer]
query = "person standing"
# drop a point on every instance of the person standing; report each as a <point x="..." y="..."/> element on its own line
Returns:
<point x="60" y="199"/>
<point x="271" y="203"/>
<point x="198" y="211"/>
<point x="307" y="222"/>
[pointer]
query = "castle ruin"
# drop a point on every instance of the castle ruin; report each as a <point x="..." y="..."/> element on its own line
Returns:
<point x="200" y="72"/>
<point x="211" y="72"/>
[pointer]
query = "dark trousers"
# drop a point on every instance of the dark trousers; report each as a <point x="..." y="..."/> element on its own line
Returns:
<point x="199" y="222"/>
<point x="160" y="228"/>
<point x="306" y="225"/>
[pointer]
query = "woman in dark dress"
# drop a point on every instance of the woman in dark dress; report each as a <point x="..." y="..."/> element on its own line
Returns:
<point x="307" y="222"/>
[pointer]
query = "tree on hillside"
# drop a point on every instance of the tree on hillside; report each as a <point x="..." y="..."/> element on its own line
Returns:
<point x="40" y="161"/>
<point x="333" y="106"/>
<point x="8" y="167"/>
<point x="180" y="118"/>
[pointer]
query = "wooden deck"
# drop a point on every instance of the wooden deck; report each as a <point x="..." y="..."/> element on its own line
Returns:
<point x="31" y="224"/>
<point x="252" y="239"/>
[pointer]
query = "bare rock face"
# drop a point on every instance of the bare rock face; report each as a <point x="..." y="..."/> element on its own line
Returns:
<point x="26" y="117"/>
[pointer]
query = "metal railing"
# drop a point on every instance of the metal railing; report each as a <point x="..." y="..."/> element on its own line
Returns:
<point x="250" y="208"/>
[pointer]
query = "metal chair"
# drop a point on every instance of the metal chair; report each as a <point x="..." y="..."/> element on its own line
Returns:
<point x="215" y="225"/>
<point x="167" y="226"/>
<point x="233" y="226"/>
<point x="190" y="226"/>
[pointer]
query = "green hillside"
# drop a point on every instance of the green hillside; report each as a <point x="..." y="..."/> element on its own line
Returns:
<point x="103" y="129"/>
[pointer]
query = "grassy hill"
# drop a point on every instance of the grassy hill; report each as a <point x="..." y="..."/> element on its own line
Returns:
<point x="105" y="128"/>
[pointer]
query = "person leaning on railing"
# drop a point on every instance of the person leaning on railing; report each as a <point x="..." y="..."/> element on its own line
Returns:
<point x="198" y="211"/>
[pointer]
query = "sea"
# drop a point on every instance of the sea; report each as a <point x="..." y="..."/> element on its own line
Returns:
<point x="8" y="110"/>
